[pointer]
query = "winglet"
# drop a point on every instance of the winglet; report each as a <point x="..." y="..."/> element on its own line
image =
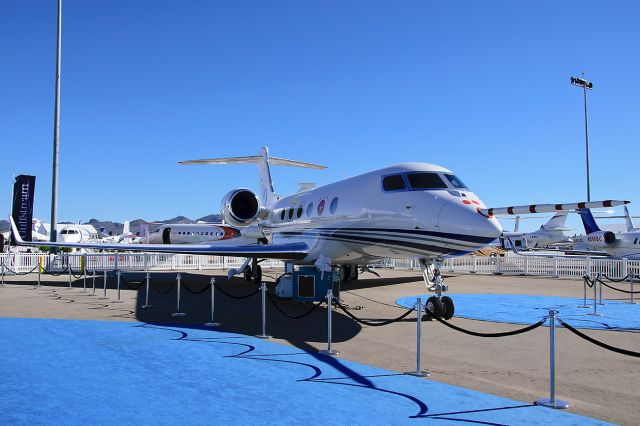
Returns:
<point x="15" y="233"/>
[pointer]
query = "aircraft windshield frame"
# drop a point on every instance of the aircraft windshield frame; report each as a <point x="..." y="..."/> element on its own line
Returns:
<point x="455" y="181"/>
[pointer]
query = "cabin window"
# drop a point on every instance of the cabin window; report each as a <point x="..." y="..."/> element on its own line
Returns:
<point x="426" y="181"/>
<point x="299" y="213"/>
<point x="282" y="215"/>
<point x="393" y="183"/>
<point x="291" y="213"/>
<point x="334" y="205"/>
<point x="455" y="182"/>
<point x="309" y="209"/>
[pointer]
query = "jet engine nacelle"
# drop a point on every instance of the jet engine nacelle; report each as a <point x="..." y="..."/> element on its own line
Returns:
<point x="241" y="207"/>
<point x="601" y="238"/>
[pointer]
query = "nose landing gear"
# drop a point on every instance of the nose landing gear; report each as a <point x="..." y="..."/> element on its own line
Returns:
<point x="438" y="305"/>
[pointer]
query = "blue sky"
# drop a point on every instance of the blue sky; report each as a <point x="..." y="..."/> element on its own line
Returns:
<point x="479" y="87"/>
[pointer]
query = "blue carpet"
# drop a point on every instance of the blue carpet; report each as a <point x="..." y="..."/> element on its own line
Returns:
<point x="97" y="372"/>
<point x="526" y="309"/>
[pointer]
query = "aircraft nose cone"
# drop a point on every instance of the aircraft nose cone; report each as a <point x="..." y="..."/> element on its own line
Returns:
<point x="465" y="220"/>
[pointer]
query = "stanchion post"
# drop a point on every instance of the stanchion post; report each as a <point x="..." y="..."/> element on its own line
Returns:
<point x="552" y="402"/>
<point x="69" y="267"/>
<point x="2" y="283"/>
<point x="584" y="292"/>
<point x="39" y="284"/>
<point x="264" y="334"/>
<point x="601" y="303"/>
<point x="178" y="313"/>
<point x="104" y="274"/>
<point x="119" y="300"/>
<point x="329" y="351"/>
<point x="213" y="322"/>
<point x="595" y="298"/>
<point x="419" y="371"/>
<point x="93" y="276"/>
<point x="631" y="301"/>
<point x="146" y="300"/>
<point x="84" y="280"/>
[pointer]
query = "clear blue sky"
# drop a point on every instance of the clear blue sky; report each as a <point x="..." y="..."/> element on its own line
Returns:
<point x="479" y="87"/>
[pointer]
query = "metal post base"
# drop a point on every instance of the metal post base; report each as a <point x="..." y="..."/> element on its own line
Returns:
<point x="596" y="314"/>
<point x="178" y="314"/>
<point x="263" y="336"/>
<point x="584" y="306"/>
<point x="331" y="352"/>
<point x="213" y="324"/>
<point x="557" y="403"/>
<point x="421" y="373"/>
<point x="146" y="306"/>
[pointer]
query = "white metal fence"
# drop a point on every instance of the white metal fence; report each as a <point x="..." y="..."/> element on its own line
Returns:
<point x="565" y="267"/>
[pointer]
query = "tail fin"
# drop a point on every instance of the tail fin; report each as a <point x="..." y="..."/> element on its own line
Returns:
<point x="516" y="227"/>
<point x="24" y="189"/>
<point x="127" y="227"/>
<point x="590" y="225"/>
<point x="557" y="221"/>
<point x="627" y="218"/>
<point x="263" y="161"/>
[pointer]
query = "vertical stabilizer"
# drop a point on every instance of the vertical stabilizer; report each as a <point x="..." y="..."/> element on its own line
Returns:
<point x="627" y="219"/>
<point x="557" y="221"/>
<point x="516" y="227"/>
<point x="127" y="227"/>
<point x="266" y="183"/>
<point x="590" y="225"/>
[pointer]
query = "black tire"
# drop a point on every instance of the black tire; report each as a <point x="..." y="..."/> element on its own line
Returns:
<point x="247" y="273"/>
<point x="434" y="306"/>
<point x="448" y="307"/>
<point x="345" y="272"/>
<point x="354" y="273"/>
<point x="258" y="278"/>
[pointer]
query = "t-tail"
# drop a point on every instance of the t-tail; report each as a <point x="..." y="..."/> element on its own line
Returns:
<point x="589" y="222"/>
<point x="264" y="162"/>
<point x="556" y="223"/>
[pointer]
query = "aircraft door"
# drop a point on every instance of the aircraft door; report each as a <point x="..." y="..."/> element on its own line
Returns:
<point x="166" y="236"/>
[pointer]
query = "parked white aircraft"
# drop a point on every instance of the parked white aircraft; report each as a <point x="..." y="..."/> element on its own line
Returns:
<point x="549" y="233"/>
<point x="408" y="210"/>
<point x="623" y="244"/>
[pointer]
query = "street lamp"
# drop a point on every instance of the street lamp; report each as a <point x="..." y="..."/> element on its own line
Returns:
<point x="581" y="82"/>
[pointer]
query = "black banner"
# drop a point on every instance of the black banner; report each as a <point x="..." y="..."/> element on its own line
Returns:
<point x="24" y="189"/>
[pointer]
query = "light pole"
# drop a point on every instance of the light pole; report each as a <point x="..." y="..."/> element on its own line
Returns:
<point x="581" y="82"/>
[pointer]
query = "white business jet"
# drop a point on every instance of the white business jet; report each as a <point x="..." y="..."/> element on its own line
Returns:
<point x="622" y="245"/>
<point x="409" y="210"/>
<point x="549" y="233"/>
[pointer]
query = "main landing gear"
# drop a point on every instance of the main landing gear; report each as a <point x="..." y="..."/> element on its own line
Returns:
<point x="438" y="305"/>
<point x="348" y="273"/>
<point x="253" y="272"/>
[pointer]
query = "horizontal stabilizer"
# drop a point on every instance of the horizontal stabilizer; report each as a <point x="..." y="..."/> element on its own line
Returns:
<point x="254" y="159"/>
<point x="263" y="251"/>
<point x="548" y="208"/>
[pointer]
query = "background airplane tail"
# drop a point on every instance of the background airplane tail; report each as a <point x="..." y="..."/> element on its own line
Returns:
<point x="589" y="222"/>
<point x="557" y="221"/>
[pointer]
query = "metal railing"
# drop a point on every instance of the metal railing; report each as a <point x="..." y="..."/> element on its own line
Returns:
<point x="562" y="267"/>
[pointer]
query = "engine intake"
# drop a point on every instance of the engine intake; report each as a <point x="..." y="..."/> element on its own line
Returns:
<point x="240" y="207"/>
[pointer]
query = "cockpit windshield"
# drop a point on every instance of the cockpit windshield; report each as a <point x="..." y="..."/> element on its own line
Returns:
<point x="425" y="180"/>
<point x="455" y="182"/>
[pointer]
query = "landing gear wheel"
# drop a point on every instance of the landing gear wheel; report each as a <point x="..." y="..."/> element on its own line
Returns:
<point x="448" y="308"/>
<point x="258" y="277"/>
<point x="247" y="273"/>
<point x="434" y="306"/>
<point x="354" y="273"/>
<point x="345" y="273"/>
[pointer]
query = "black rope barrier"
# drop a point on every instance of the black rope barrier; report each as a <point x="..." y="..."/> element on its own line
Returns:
<point x="618" y="289"/>
<point x="371" y="322"/>
<point x="165" y="291"/>
<point x="246" y="296"/>
<point x="597" y="342"/>
<point x="313" y="308"/>
<point x="19" y="273"/>
<point x="478" y="334"/>
<point x="589" y="281"/>
<point x="616" y="280"/>
<point x="77" y="277"/>
<point x="129" y="285"/>
<point x="53" y="274"/>
<point x="186" y="287"/>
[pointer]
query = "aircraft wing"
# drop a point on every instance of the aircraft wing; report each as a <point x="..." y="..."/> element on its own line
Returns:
<point x="291" y="251"/>
<point x="549" y="208"/>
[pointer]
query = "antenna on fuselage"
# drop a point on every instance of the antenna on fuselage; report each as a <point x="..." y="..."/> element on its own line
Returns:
<point x="263" y="161"/>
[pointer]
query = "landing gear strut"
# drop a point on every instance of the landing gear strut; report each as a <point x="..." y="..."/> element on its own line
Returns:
<point x="253" y="272"/>
<point x="438" y="305"/>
